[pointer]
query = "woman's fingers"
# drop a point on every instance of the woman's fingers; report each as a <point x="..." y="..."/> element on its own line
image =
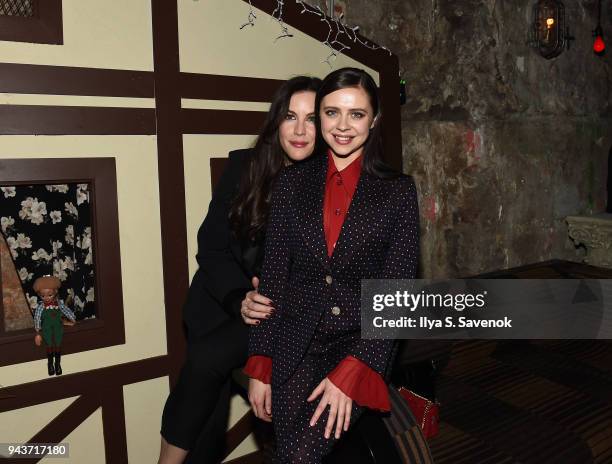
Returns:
<point x="254" y="403"/>
<point x="246" y="318"/>
<point x="320" y="408"/>
<point x="259" y="393"/>
<point x="252" y="317"/>
<point x="347" y="414"/>
<point x="333" y="413"/>
<point x="268" y="401"/>
<point x="249" y="321"/>
<point x="340" y="418"/>
<point x="317" y="391"/>
<point x="340" y="407"/>
<point x="255" y="306"/>
<point x="256" y="297"/>
<point x="257" y="310"/>
<point x="254" y="406"/>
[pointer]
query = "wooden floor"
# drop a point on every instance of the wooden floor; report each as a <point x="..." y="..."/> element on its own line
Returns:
<point x="528" y="401"/>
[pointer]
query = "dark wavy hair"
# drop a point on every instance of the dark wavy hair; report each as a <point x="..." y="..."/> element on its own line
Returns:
<point x="249" y="211"/>
<point x="372" y="161"/>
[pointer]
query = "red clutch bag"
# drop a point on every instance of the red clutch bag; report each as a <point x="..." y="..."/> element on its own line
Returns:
<point x="426" y="412"/>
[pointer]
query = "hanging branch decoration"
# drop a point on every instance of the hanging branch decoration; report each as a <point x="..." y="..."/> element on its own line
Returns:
<point x="335" y="45"/>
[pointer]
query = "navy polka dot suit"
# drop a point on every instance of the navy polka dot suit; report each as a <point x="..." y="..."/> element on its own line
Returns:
<point x="317" y="298"/>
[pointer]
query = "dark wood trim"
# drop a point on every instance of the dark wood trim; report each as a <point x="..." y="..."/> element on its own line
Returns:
<point x="68" y="80"/>
<point x="65" y="80"/>
<point x="171" y="175"/>
<point x="80" y="120"/>
<point x="256" y="457"/>
<point x="113" y="424"/>
<point x="80" y="383"/>
<point x="44" y="27"/>
<point x="392" y="119"/>
<point x="108" y="327"/>
<point x="76" y="120"/>
<point x="217" y="166"/>
<point x="64" y="423"/>
<point x="197" y="121"/>
<point x="239" y="432"/>
<point x="234" y="88"/>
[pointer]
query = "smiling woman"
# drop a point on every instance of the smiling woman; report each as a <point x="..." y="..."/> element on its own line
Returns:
<point x="335" y="220"/>
<point x="346" y="120"/>
<point x="297" y="131"/>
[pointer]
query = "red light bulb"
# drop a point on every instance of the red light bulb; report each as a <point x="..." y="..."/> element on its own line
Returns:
<point x="599" y="45"/>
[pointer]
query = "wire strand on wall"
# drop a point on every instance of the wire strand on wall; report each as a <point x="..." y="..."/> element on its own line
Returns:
<point x="336" y="41"/>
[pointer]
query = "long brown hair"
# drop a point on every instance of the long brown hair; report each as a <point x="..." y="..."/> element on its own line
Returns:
<point x="249" y="212"/>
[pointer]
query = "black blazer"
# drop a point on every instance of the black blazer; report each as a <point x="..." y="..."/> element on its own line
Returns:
<point x="379" y="240"/>
<point x="225" y="264"/>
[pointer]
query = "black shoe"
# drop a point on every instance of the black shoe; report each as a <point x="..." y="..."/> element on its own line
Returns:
<point x="58" y="366"/>
<point x="50" y="367"/>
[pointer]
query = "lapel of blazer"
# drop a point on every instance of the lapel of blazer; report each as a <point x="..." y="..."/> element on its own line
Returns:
<point x="356" y="226"/>
<point x="310" y="217"/>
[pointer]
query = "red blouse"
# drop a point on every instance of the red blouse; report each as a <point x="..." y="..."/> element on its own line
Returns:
<point x="340" y="187"/>
<point x="355" y="378"/>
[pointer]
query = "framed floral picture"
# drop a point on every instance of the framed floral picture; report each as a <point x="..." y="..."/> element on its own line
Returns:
<point x="59" y="217"/>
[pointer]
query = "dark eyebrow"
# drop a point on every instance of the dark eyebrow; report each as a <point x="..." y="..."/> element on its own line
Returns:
<point x="352" y="109"/>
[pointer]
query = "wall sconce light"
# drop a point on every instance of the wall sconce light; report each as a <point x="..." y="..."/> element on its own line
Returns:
<point x="549" y="34"/>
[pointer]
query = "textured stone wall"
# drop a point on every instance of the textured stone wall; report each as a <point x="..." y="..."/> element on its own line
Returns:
<point x="503" y="144"/>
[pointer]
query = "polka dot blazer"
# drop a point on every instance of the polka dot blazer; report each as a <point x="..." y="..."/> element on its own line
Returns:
<point x="316" y="293"/>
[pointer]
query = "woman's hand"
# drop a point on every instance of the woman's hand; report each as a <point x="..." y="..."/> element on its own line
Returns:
<point x="340" y="407"/>
<point x="255" y="306"/>
<point x="37" y="340"/>
<point x="260" y="397"/>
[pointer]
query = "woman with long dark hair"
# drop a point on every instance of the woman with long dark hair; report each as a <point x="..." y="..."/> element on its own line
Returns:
<point x="230" y="243"/>
<point x="338" y="219"/>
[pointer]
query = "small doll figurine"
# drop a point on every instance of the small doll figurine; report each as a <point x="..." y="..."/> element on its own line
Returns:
<point x="48" y="319"/>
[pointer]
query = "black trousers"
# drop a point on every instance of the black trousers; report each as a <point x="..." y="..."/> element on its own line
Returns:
<point x="203" y="385"/>
<point x="296" y="440"/>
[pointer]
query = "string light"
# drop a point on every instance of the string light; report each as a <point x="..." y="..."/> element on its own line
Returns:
<point x="278" y="14"/>
<point x="335" y="45"/>
<point x="251" y="18"/>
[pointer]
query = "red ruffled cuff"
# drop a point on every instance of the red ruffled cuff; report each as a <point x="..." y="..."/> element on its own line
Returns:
<point x="260" y="368"/>
<point x="363" y="385"/>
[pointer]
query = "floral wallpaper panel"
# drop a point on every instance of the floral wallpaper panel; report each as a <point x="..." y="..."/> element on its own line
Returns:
<point x="48" y="229"/>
